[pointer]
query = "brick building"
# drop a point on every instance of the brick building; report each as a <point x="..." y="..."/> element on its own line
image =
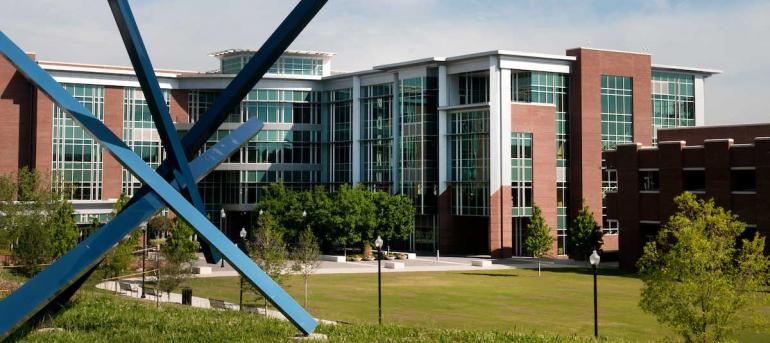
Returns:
<point x="475" y="140"/>
<point x="730" y="164"/>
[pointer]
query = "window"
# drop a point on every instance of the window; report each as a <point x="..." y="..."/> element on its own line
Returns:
<point x="617" y="111"/>
<point x="140" y="134"/>
<point x="340" y="105"/>
<point x="611" y="227"/>
<point x="419" y="142"/>
<point x="609" y="180"/>
<point x="694" y="180"/>
<point x="77" y="158"/>
<point x="743" y="180"/>
<point x="376" y="136"/>
<point x="649" y="180"/>
<point x="468" y="136"/>
<point x="474" y="88"/>
<point x="521" y="173"/>
<point x="673" y="101"/>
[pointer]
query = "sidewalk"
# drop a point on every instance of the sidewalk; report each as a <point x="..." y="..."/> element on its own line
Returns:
<point x="176" y="298"/>
<point x="420" y="264"/>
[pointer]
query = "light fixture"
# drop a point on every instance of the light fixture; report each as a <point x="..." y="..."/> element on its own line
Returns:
<point x="304" y="214"/>
<point x="222" y="213"/>
<point x="378" y="242"/>
<point x="243" y="233"/>
<point x="594" y="259"/>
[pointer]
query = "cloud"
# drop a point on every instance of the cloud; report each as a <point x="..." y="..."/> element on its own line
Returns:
<point x="730" y="36"/>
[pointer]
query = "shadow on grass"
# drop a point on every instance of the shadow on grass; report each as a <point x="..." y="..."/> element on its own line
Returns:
<point x="589" y="271"/>
<point x="490" y="274"/>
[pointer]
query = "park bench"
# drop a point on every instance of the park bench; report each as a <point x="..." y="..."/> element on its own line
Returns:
<point x="250" y="309"/>
<point x="128" y="288"/>
<point x="151" y="291"/>
<point x="218" y="304"/>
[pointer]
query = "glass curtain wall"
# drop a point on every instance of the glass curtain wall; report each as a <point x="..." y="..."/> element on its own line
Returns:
<point x="376" y="136"/>
<point x="617" y="111"/>
<point x="140" y="134"/>
<point x="77" y="158"/>
<point x="340" y="138"/>
<point x="419" y="150"/>
<point x="673" y="101"/>
<point x="468" y="138"/>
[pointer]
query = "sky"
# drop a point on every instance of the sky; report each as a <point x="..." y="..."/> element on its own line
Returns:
<point x="731" y="36"/>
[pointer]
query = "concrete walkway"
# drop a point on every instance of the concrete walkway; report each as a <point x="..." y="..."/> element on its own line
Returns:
<point x="176" y="298"/>
<point x="420" y="264"/>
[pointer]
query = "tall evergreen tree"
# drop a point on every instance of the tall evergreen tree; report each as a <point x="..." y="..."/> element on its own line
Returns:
<point x="581" y="234"/>
<point x="64" y="230"/>
<point x="539" y="240"/>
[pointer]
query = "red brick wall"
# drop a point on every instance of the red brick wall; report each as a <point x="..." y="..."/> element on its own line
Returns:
<point x="178" y="106"/>
<point x="540" y="120"/>
<point x="112" y="179"/>
<point x="43" y="132"/>
<point x="585" y="117"/>
<point x="16" y="147"/>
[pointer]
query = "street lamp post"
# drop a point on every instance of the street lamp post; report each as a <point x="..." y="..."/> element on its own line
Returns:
<point x="378" y="244"/>
<point x="144" y="257"/>
<point x="594" y="259"/>
<point x="243" y="247"/>
<point x="436" y="240"/>
<point x="222" y="216"/>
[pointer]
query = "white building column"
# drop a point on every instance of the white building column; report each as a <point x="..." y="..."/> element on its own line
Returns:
<point x="355" y="128"/>
<point x="700" y="100"/>
<point x="505" y="126"/>
<point x="495" y="135"/>
<point x="443" y="101"/>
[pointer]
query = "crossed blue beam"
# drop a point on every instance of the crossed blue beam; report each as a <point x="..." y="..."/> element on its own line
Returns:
<point x="60" y="280"/>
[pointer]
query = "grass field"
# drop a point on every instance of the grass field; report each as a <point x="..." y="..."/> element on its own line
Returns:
<point x="99" y="317"/>
<point x="560" y="302"/>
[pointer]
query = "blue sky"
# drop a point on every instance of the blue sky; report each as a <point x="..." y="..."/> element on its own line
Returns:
<point x="726" y="35"/>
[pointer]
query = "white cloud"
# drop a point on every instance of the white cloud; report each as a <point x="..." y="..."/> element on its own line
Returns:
<point x="729" y="36"/>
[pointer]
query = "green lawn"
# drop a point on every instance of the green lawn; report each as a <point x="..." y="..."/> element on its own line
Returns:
<point x="98" y="317"/>
<point x="560" y="302"/>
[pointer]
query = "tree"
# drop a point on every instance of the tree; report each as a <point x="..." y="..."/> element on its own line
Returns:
<point x="305" y="257"/>
<point x="179" y="248"/>
<point x="394" y="216"/>
<point x="268" y="250"/>
<point x="121" y="257"/>
<point x="354" y="216"/>
<point x="581" y="235"/>
<point x="699" y="275"/>
<point x="64" y="230"/>
<point x="159" y="224"/>
<point x="539" y="240"/>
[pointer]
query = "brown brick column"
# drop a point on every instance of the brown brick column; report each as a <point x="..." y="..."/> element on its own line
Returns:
<point x="112" y="178"/>
<point x="762" y="163"/>
<point x="670" y="177"/>
<point x="15" y="119"/>
<point x="43" y="159"/>
<point x="585" y="117"/>
<point x="540" y="120"/>
<point x="717" y="163"/>
<point x="631" y="239"/>
<point x="178" y="101"/>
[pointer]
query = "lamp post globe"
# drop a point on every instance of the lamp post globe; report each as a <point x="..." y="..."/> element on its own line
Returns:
<point x="304" y="214"/>
<point x="261" y="211"/>
<point x="243" y="233"/>
<point x="594" y="260"/>
<point x="222" y="213"/>
<point x="378" y="244"/>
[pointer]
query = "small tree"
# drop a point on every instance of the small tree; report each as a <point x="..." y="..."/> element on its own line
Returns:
<point x="268" y="250"/>
<point x="64" y="230"/>
<point x="179" y="248"/>
<point x="581" y="235"/>
<point x="159" y="224"/>
<point x="305" y="256"/>
<point x="539" y="240"/>
<point x="698" y="276"/>
<point x="121" y="257"/>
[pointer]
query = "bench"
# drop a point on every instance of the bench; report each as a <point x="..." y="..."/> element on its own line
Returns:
<point x="126" y="287"/>
<point x="201" y="270"/>
<point x="481" y="263"/>
<point x="218" y="304"/>
<point x="151" y="291"/>
<point x="250" y="309"/>
<point x="394" y="265"/>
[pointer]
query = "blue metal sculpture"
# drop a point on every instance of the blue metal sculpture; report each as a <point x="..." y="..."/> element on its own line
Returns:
<point x="162" y="187"/>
